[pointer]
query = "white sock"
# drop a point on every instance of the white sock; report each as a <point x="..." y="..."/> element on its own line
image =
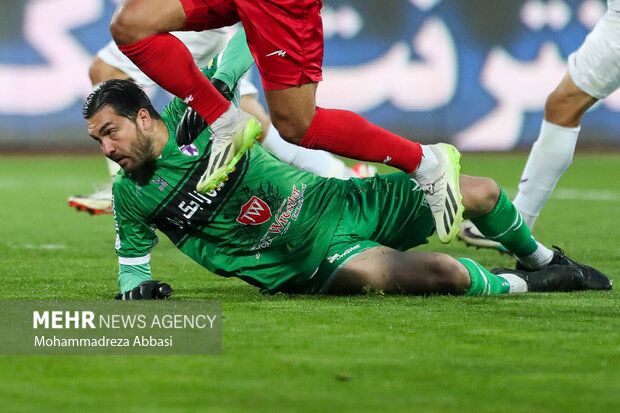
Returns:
<point x="319" y="162"/>
<point x="282" y="149"/>
<point x="549" y="158"/>
<point x="113" y="168"/>
<point x="428" y="164"/>
<point x="517" y="285"/>
<point x="538" y="259"/>
<point x="227" y="120"/>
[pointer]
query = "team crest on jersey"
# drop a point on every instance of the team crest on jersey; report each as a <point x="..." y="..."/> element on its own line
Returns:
<point x="254" y="212"/>
<point x="189" y="150"/>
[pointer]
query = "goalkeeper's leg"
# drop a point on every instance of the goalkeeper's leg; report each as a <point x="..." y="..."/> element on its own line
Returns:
<point x="420" y="273"/>
<point x="496" y="217"/>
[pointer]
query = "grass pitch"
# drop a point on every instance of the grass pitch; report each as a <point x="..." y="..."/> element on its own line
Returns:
<point x="522" y="353"/>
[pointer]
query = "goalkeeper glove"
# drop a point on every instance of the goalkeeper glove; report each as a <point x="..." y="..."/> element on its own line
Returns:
<point x="190" y="126"/>
<point x="147" y="290"/>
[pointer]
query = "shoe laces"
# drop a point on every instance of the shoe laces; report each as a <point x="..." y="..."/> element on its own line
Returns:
<point x="559" y="257"/>
<point x="430" y="189"/>
<point x="559" y="250"/>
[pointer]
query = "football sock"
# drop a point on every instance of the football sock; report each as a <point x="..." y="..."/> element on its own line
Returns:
<point x="538" y="259"/>
<point x="348" y="134"/>
<point x="483" y="282"/>
<point x="428" y="163"/>
<point x="319" y="162"/>
<point x="167" y="61"/>
<point x="505" y="225"/>
<point x="550" y="157"/>
<point x="130" y="276"/>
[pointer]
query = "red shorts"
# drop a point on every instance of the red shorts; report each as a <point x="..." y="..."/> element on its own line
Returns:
<point x="284" y="36"/>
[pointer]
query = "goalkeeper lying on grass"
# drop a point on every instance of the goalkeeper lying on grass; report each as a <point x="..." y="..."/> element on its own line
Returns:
<point x="282" y="229"/>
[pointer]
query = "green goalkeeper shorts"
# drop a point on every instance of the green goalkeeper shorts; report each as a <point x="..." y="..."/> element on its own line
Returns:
<point x="388" y="210"/>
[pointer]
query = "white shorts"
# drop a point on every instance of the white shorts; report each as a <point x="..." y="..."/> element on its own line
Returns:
<point x="595" y="66"/>
<point x="245" y="86"/>
<point x="202" y="45"/>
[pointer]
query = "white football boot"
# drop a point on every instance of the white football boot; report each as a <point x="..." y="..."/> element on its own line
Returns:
<point x="443" y="193"/>
<point x="99" y="202"/>
<point x="228" y="145"/>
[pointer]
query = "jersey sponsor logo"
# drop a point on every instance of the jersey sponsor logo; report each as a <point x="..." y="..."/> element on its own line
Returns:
<point x="185" y="211"/>
<point x="189" y="150"/>
<point x="282" y="219"/>
<point x="280" y="53"/>
<point x="160" y="181"/>
<point x="288" y="211"/>
<point x="190" y="206"/>
<point x="254" y="212"/>
<point x="346" y="252"/>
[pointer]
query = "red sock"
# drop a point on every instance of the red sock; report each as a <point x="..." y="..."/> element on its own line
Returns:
<point x="166" y="60"/>
<point x="348" y="134"/>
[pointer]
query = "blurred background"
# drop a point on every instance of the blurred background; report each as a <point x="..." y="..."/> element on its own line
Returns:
<point x="475" y="73"/>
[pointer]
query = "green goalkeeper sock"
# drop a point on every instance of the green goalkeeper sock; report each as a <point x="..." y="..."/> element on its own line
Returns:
<point x="483" y="282"/>
<point x="505" y="225"/>
<point x="130" y="276"/>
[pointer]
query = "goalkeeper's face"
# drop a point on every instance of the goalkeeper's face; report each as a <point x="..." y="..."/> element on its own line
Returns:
<point x="125" y="141"/>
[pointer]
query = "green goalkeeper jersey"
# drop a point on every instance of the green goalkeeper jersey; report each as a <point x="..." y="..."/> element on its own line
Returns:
<point x="270" y="223"/>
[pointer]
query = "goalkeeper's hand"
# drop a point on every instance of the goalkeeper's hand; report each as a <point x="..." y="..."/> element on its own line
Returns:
<point x="147" y="290"/>
<point x="190" y="126"/>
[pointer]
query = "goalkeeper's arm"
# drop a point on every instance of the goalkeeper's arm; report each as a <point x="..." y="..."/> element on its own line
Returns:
<point x="233" y="63"/>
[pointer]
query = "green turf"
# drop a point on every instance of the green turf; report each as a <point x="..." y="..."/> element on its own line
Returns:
<point x="525" y="353"/>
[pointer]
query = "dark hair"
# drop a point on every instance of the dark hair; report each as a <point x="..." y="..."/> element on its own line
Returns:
<point x="124" y="96"/>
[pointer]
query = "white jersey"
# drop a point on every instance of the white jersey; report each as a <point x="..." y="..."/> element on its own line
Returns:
<point x="595" y="66"/>
<point x="202" y="45"/>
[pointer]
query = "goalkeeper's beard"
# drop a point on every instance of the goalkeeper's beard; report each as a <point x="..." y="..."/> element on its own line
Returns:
<point x="141" y="151"/>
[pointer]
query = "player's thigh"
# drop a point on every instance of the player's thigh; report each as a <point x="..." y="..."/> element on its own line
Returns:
<point x="209" y="14"/>
<point x="368" y="269"/>
<point x="292" y="110"/>
<point x="396" y="272"/>
<point x="134" y="20"/>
